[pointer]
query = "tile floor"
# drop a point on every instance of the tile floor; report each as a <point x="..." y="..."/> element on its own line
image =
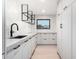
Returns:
<point x="46" y="52"/>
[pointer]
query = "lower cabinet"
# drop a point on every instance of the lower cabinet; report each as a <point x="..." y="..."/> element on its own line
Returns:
<point x="28" y="48"/>
<point x="65" y="34"/>
<point x="3" y="56"/>
<point x="34" y="43"/>
<point x="23" y="51"/>
<point x="16" y="53"/>
<point x="46" y="38"/>
<point x="59" y="35"/>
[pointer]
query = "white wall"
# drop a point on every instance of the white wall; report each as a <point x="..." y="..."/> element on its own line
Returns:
<point x="52" y="23"/>
<point x="13" y="15"/>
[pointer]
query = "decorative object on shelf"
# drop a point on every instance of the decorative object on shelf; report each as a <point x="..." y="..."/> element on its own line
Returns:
<point x="30" y="13"/>
<point x="26" y="15"/>
<point x="24" y="12"/>
<point x="33" y="19"/>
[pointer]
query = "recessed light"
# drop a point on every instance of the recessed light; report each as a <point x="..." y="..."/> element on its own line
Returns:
<point x="43" y="11"/>
<point x="42" y="0"/>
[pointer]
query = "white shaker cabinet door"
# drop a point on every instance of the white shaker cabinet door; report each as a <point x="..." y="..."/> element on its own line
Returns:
<point x="30" y="47"/>
<point x="74" y="30"/>
<point x="2" y="56"/>
<point x="66" y="33"/>
<point x="14" y="54"/>
<point x="33" y="43"/>
<point x="59" y="36"/>
<point x="68" y="2"/>
<point x="25" y="50"/>
<point x="39" y="38"/>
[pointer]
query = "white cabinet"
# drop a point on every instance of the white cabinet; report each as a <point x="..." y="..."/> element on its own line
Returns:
<point x="28" y="48"/>
<point x="59" y="35"/>
<point x="16" y="53"/>
<point x="22" y="51"/>
<point x="38" y="39"/>
<point x="3" y="57"/>
<point x="68" y="2"/>
<point x="74" y="30"/>
<point x="46" y="38"/>
<point x="25" y="50"/>
<point x="64" y="34"/>
<point x="30" y="42"/>
<point x="33" y="43"/>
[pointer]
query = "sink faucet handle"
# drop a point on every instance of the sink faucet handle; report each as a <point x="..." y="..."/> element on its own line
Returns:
<point x="11" y="31"/>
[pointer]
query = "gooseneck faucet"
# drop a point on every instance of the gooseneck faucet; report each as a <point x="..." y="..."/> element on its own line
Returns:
<point x="11" y="31"/>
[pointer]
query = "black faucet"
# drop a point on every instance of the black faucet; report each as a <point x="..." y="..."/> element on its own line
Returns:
<point x="11" y="32"/>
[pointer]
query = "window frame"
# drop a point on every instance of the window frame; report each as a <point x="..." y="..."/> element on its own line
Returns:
<point x="42" y="28"/>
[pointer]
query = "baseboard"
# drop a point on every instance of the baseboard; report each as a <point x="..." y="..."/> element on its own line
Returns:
<point x="33" y="52"/>
<point x="59" y="55"/>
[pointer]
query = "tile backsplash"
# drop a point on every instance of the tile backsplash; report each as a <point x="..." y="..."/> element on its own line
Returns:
<point x="13" y="15"/>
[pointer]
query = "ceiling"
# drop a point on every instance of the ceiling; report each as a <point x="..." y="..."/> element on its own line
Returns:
<point x="43" y="7"/>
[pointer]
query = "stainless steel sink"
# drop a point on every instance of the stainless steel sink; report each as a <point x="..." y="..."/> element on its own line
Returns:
<point x="18" y="37"/>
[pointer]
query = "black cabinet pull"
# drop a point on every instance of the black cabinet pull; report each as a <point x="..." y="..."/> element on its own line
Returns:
<point x="53" y="39"/>
<point x="26" y="41"/>
<point x="29" y="38"/>
<point x="45" y="39"/>
<point x="61" y="26"/>
<point x="3" y="53"/>
<point x="17" y="47"/>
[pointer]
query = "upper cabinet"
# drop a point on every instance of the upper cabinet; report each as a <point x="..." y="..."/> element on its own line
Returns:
<point x="68" y="2"/>
<point x="26" y="15"/>
<point x="63" y="4"/>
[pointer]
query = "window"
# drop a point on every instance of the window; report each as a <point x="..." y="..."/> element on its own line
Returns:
<point x="43" y="23"/>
